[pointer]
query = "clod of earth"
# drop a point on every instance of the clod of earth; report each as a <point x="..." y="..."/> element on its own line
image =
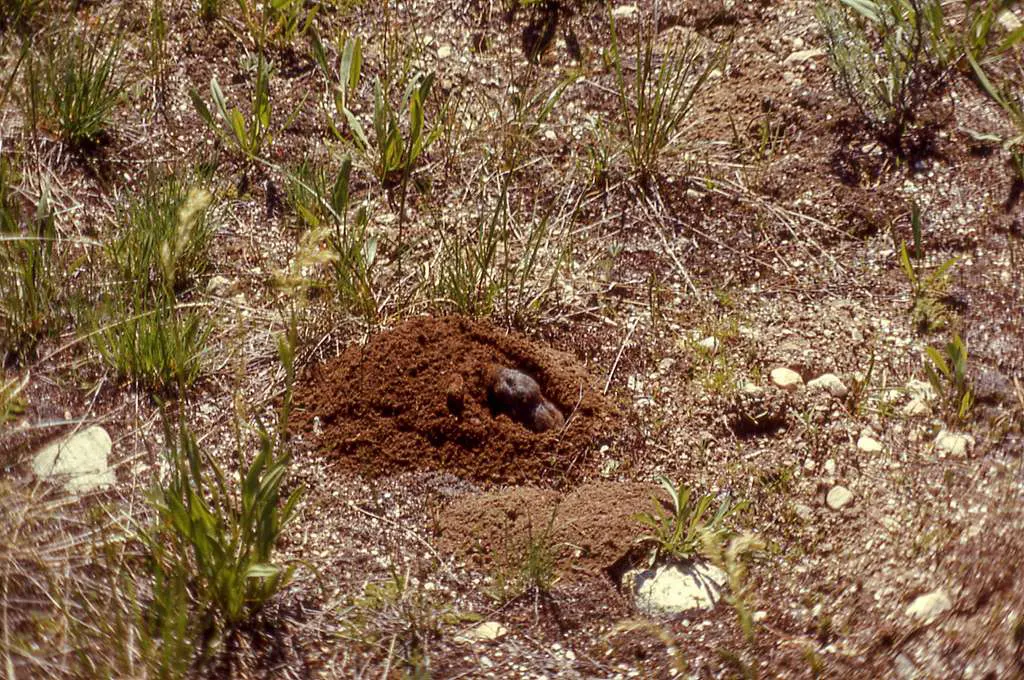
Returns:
<point x="517" y="395"/>
<point x="437" y="393"/>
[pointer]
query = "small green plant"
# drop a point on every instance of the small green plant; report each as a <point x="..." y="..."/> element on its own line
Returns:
<point x="493" y="266"/>
<point x="394" y="151"/>
<point x="277" y="22"/>
<point x="30" y="274"/>
<point x="220" y="537"/>
<point x="927" y="310"/>
<point x="164" y="239"/>
<point x="248" y="133"/>
<point x="395" y="147"/>
<point x="947" y="372"/>
<point x="12" y="404"/>
<point x="152" y="343"/>
<point x="351" y="249"/>
<point x="655" y="105"/>
<point x="1008" y="92"/>
<point x="682" y="529"/>
<point x="528" y="566"/>
<point x="401" y="618"/>
<point x="888" y="57"/>
<point x="73" y="88"/>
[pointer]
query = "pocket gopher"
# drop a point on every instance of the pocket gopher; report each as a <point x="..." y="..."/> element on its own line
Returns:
<point x="517" y="395"/>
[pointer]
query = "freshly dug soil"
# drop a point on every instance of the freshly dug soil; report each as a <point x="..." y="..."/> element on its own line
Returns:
<point x="415" y="397"/>
<point x="587" y="530"/>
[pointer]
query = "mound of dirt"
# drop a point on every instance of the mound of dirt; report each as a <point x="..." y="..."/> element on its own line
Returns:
<point x="587" y="530"/>
<point x="416" y="397"/>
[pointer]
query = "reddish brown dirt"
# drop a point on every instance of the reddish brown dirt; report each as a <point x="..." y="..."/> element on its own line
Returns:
<point x="396" y="404"/>
<point x="587" y="530"/>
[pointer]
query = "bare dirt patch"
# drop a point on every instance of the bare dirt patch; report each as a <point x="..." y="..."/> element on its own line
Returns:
<point x="416" y="397"/>
<point x="587" y="530"/>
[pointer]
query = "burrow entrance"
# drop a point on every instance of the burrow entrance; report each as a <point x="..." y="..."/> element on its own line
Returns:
<point x="417" y="397"/>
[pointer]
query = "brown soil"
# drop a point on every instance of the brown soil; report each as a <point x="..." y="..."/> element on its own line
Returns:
<point x="415" y="397"/>
<point x="587" y="530"/>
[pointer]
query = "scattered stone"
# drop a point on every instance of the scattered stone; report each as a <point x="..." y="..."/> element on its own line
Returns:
<point x="838" y="497"/>
<point x="868" y="444"/>
<point x="919" y="389"/>
<point x="905" y="668"/>
<point x="80" y="460"/>
<point x="750" y="388"/>
<point x="786" y="378"/>
<point x="220" y="286"/>
<point x="625" y="11"/>
<point x="488" y="631"/>
<point x="444" y="51"/>
<point x="829" y="382"/>
<point x="800" y="56"/>
<point x="1008" y="20"/>
<point x="929" y="606"/>
<point x="953" y="443"/>
<point x="804" y="512"/>
<point x="830" y="467"/>
<point x="915" y="408"/>
<point x="675" y="588"/>
<point x="709" y="344"/>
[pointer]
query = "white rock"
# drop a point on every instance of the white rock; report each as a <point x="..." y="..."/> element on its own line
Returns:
<point x="786" y="378"/>
<point x="444" y="51"/>
<point x="625" y="11"/>
<point x="81" y="460"/>
<point x="905" y="668"/>
<point x="919" y="389"/>
<point x="953" y="443"/>
<point x="804" y="512"/>
<point x="838" y="497"/>
<point x="220" y="285"/>
<point x="1008" y="20"/>
<point x="800" y="56"/>
<point x="929" y="606"/>
<point x="868" y="444"/>
<point x="916" y="408"/>
<point x="709" y="344"/>
<point x="829" y="382"/>
<point x="750" y="388"/>
<point x="487" y="631"/>
<point x="830" y="467"/>
<point x="675" y="588"/>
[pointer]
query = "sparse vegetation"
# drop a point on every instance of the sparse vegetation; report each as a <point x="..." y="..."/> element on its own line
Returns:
<point x="248" y="132"/>
<point x="927" y="310"/>
<point x="527" y="567"/>
<point x="655" y="103"/>
<point x="948" y="374"/>
<point x="643" y="209"/>
<point x="30" y="274"/>
<point x="213" y="545"/>
<point x="682" y="530"/>
<point x="889" y="57"/>
<point x="72" y="85"/>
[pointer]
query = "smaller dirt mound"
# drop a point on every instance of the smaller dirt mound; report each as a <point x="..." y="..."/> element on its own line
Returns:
<point x="417" y="397"/>
<point x="588" y="530"/>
